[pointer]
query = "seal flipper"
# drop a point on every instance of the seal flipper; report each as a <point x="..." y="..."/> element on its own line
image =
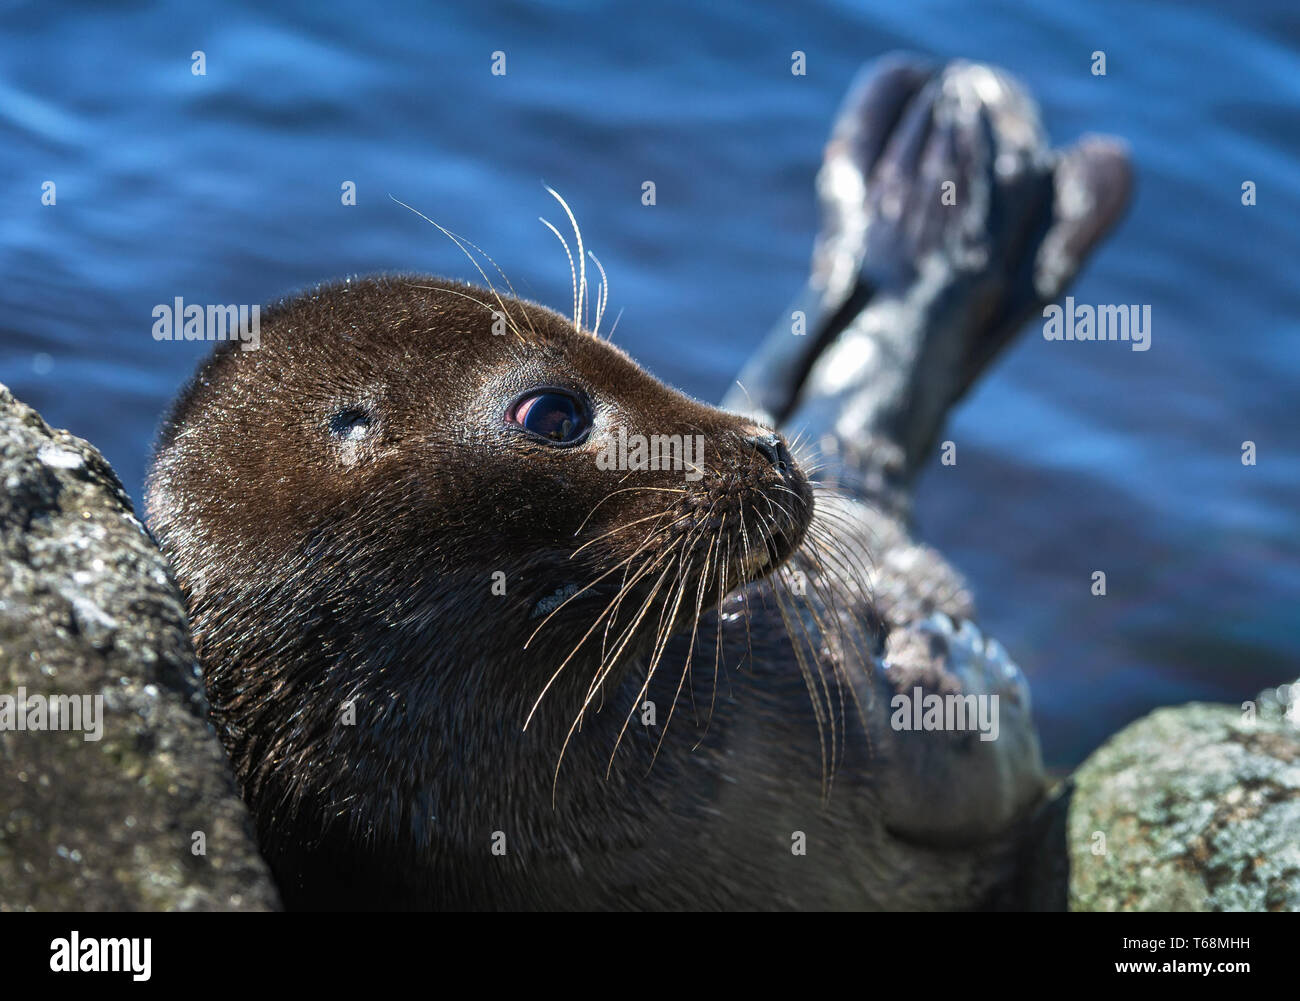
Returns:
<point x="980" y="770"/>
<point x="965" y="222"/>
<point x="834" y="293"/>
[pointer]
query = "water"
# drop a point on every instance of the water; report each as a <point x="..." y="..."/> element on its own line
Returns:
<point x="1072" y="457"/>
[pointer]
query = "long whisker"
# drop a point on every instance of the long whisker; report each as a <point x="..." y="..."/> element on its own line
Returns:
<point x="573" y="274"/>
<point x="603" y="298"/>
<point x="582" y="258"/>
<point x="621" y="528"/>
<point x="621" y="490"/>
<point x="501" y="272"/>
<point x="628" y="636"/>
<point x="650" y="537"/>
<point x="452" y="237"/>
<point x="476" y="301"/>
<point x="610" y="335"/>
<point x="704" y="577"/>
<point x="661" y="643"/>
<point x="596" y="623"/>
<point x="806" y="671"/>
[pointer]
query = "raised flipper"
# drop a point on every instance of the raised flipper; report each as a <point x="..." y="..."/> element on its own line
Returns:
<point x="835" y="292"/>
<point x="947" y="221"/>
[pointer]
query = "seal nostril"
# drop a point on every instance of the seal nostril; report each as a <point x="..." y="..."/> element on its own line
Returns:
<point x="772" y="448"/>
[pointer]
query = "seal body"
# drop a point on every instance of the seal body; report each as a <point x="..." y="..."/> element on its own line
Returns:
<point x="373" y="557"/>
<point x="468" y="649"/>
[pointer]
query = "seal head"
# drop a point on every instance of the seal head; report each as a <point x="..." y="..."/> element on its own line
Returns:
<point x="421" y="516"/>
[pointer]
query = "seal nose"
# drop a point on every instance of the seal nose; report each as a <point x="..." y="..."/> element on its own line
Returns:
<point x="772" y="447"/>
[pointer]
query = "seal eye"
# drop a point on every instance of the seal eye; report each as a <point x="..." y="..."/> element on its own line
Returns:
<point x="350" y="423"/>
<point x="552" y="414"/>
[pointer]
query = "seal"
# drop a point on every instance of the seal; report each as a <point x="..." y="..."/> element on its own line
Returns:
<point x="489" y="617"/>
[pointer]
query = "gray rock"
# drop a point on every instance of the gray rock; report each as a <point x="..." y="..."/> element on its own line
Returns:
<point x="88" y="609"/>
<point x="1193" y="808"/>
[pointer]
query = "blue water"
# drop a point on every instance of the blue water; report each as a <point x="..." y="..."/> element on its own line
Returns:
<point x="1072" y="457"/>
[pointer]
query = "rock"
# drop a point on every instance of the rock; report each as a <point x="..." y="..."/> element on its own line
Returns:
<point x="1193" y="808"/>
<point x="88" y="609"/>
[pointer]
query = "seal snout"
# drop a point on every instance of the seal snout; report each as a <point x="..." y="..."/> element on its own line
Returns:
<point x="772" y="447"/>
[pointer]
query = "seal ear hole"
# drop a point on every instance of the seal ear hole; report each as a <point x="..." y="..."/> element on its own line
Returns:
<point x="350" y="423"/>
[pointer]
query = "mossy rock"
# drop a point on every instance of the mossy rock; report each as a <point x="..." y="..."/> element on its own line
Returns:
<point x="88" y="609"/>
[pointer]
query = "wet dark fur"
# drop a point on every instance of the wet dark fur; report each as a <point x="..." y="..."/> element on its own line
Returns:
<point x="313" y="581"/>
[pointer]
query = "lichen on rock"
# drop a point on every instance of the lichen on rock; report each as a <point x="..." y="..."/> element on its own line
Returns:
<point x="1192" y="808"/>
<point x="88" y="610"/>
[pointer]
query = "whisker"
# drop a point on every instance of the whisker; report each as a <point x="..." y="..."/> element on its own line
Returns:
<point x="610" y="335"/>
<point x="452" y="237"/>
<point x="582" y="257"/>
<point x="573" y="274"/>
<point x="604" y="293"/>
<point x="667" y="490"/>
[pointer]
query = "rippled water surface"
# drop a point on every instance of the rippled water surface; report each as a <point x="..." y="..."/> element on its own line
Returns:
<point x="1073" y="457"/>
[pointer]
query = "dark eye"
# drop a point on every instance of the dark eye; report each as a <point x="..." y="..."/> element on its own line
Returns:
<point x="350" y="423"/>
<point x="551" y="414"/>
